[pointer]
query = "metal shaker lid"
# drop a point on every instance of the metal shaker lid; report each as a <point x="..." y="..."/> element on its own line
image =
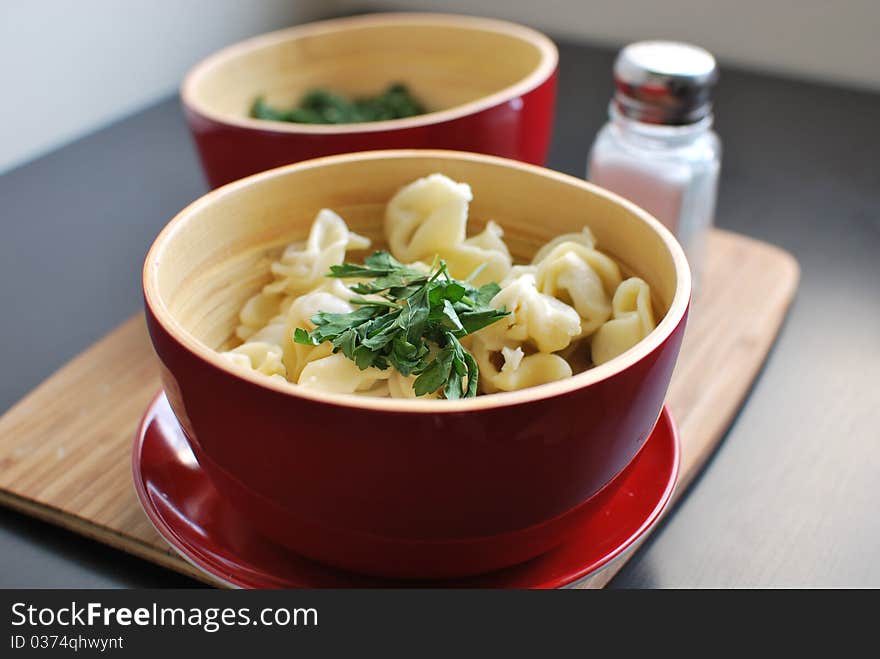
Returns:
<point x="664" y="82"/>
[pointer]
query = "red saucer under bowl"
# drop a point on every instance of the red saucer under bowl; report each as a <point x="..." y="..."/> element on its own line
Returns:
<point x="188" y="513"/>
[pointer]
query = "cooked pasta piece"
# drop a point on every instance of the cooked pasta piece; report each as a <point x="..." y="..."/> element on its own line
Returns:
<point x="265" y="347"/>
<point x="302" y="268"/>
<point x="518" y="370"/>
<point x="338" y="374"/>
<point x="259" y="356"/>
<point x="633" y="320"/>
<point x="581" y="277"/>
<point x="258" y="311"/>
<point x="585" y="237"/>
<point x="486" y="254"/>
<point x="518" y="271"/>
<point x="534" y="317"/>
<point x="401" y="386"/>
<point x="428" y="218"/>
<point x="297" y="355"/>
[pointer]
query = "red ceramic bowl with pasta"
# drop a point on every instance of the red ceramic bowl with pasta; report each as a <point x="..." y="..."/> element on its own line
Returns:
<point x="563" y="304"/>
<point x="486" y="86"/>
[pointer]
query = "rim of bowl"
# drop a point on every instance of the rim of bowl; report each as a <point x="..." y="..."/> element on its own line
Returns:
<point x="674" y="315"/>
<point x="544" y="69"/>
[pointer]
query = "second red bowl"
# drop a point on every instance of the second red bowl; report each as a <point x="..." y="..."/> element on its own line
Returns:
<point x="490" y="86"/>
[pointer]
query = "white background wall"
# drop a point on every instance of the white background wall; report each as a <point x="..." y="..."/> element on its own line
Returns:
<point x="69" y="66"/>
<point x="829" y="40"/>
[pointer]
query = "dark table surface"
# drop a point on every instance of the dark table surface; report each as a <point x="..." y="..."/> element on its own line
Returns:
<point x="789" y="499"/>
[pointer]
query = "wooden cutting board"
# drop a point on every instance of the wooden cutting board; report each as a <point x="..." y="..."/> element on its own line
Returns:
<point x="65" y="448"/>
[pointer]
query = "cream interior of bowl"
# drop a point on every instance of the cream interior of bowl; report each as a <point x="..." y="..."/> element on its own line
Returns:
<point x="216" y="253"/>
<point x="446" y="62"/>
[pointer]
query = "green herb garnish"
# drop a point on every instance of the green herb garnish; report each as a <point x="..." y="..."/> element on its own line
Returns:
<point x="410" y="310"/>
<point x="320" y="106"/>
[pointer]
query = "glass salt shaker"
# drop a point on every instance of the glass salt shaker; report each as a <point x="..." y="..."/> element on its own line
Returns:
<point x="658" y="148"/>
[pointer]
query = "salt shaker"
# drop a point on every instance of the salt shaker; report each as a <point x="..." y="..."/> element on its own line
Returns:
<point x="658" y="148"/>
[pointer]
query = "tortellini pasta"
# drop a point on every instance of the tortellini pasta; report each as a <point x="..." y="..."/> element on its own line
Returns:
<point x="569" y="308"/>
<point x="534" y="317"/>
<point x="340" y="375"/>
<point x="401" y="386"/>
<point x="263" y="357"/>
<point x="258" y="311"/>
<point x="585" y="237"/>
<point x="485" y="254"/>
<point x="296" y="355"/>
<point x="271" y="350"/>
<point x="633" y="321"/>
<point x="428" y="218"/>
<point x="263" y="350"/>
<point x="518" y="370"/>
<point x="301" y="268"/>
<point x="581" y="277"/>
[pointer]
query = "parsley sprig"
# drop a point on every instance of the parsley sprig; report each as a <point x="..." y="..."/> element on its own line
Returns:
<point x="409" y="311"/>
<point x="320" y="106"/>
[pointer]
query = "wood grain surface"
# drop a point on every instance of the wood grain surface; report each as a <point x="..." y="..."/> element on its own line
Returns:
<point x="65" y="448"/>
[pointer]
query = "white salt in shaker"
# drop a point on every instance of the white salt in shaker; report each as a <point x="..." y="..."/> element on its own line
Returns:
<point x="658" y="148"/>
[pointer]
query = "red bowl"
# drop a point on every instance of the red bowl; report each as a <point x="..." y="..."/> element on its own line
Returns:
<point x="491" y="86"/>
<point x="386" y="486"/>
